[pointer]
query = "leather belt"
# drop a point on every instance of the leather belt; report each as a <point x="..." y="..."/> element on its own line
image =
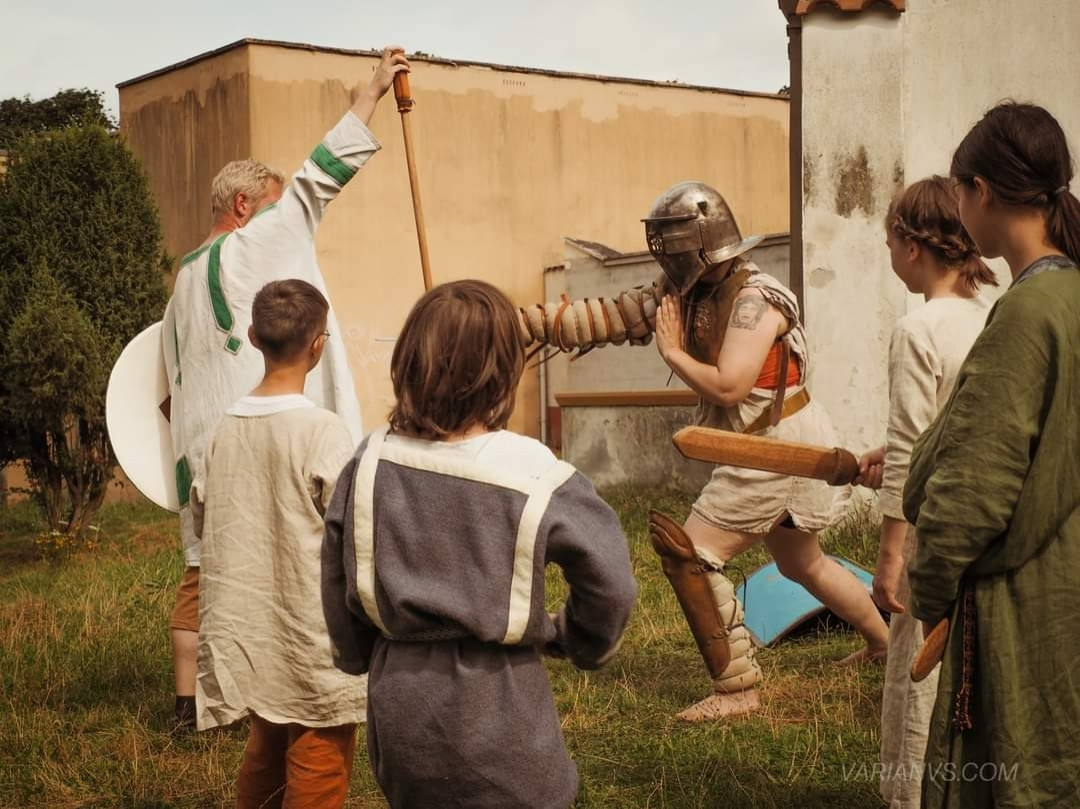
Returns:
<point x="792" y="405"/>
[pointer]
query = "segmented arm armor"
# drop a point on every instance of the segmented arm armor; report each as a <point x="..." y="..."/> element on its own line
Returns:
<point x="590" y="323"/>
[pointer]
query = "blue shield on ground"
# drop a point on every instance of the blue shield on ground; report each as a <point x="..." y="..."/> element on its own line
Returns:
<point x="775" y="606"/>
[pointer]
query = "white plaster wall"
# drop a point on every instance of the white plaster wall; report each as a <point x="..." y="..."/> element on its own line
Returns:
<point x="962" y="57"/>
<point x="852" y="166"/>
<point x="906" y="88"/>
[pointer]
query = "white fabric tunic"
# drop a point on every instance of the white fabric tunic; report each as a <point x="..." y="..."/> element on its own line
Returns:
<point x="270" y="468"/>
<point x="927" y="348"/>
<point x="204" y="336"/>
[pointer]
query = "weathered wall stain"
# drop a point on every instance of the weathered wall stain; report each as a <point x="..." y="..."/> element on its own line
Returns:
<point x="898" y="177"/>
<point x="807" y="178"/>
<point x="183" y="139"/>
<point x="855" y="185"/>
<point x="820" y="277"/>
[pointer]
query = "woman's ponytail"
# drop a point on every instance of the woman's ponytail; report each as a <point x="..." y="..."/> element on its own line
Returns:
<point x="1063" y="224"/>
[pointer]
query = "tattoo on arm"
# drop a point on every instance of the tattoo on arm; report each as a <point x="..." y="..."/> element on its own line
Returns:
<point x="748" y="312"/>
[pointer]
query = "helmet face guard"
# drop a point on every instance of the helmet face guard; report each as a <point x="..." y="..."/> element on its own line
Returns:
<point x="675" y="243"/>
<point x="690" y="230"/>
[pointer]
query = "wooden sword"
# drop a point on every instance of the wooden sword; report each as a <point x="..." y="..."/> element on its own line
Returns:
<point x="835" y="466"/>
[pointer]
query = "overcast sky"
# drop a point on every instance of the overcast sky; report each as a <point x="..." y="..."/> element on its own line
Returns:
<point x="740" y="44"/>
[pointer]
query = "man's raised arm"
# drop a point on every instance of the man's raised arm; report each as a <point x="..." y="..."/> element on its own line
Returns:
<point x="336" y="159"/>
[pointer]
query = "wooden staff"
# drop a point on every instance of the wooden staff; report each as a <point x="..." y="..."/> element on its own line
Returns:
<point x="404" y="105"/>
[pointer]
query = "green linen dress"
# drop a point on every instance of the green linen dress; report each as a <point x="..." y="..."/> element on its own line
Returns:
<point x="994" y="493"/>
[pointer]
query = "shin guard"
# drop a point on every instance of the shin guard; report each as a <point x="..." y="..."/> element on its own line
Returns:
<point x="708" y="601"/>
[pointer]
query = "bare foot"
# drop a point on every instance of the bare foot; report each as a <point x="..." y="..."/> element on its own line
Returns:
<point x="864" y="655"/>
<point x="722" y="706"/>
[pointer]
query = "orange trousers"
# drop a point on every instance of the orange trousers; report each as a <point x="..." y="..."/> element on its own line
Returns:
<point x="295" y="767"/>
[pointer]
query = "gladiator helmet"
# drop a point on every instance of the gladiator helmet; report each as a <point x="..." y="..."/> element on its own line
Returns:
<point x="690" y="230"/>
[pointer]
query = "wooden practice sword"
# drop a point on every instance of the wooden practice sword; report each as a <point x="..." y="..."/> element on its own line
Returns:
<point x="835" y="466"/>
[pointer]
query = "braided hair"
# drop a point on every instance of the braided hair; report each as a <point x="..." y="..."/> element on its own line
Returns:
<point x="1021" y="152"/>
<point x="926" y="212"/>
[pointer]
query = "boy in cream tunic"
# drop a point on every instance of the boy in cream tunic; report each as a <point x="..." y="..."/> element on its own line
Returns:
<point x="263" y="230"/>
<point x="264" y="649"/>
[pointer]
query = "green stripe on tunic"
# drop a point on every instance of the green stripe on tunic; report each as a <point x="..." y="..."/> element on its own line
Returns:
<point x="337" y="168"/>
<point x="194" y="254"/>
<point x="223" y="315"/>
<point x="176" y="346"/>
<point x="183" y="481"/>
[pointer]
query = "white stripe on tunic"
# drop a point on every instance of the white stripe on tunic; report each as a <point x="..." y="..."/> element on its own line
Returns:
<point x="427" y="461"/>
<point x="538" y="491"/>
<point x="364" y="526"/>
<point x="521" y="584"/>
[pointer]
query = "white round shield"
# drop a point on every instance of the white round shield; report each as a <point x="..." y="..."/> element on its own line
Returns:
<point x="136" y="414"/>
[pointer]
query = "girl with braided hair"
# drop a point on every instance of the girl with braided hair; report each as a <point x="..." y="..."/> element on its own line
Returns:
<point x="935" y="257"/>
<point x="993" y="489"/>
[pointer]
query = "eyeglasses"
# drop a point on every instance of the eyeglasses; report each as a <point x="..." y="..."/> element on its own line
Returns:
<point x="325" y="334"/>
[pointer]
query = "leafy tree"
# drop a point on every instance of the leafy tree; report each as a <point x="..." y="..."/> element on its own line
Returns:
<point x="22" y="116"/>
<point x="81" y="264"/>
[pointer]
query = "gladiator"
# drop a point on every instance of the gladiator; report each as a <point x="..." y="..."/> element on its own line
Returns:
<point x="734" y="335"/>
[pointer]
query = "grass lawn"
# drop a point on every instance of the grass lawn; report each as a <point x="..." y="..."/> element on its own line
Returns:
<point x="86" y="689"/>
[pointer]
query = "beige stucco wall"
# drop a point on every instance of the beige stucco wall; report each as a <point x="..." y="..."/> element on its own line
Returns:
<point x="509" y="163"/>
<point x="904" y="88"/>
<point x="184" y="126"/>
<point x="14" y="485"/>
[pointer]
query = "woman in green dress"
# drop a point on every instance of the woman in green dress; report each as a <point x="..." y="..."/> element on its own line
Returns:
<point x="994" y="489"/>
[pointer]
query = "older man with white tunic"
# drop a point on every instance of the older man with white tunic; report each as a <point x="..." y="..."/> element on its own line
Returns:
<point x="263" y="230"/>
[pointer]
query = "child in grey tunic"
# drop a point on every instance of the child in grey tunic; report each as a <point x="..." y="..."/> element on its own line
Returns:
<point x="433" y="570"/>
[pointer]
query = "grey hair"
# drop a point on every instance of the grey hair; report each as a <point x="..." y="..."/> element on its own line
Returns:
<point x="249" y="177"/>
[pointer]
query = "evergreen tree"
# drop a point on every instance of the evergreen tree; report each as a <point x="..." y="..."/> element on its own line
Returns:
<point x="81" y="265"/>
